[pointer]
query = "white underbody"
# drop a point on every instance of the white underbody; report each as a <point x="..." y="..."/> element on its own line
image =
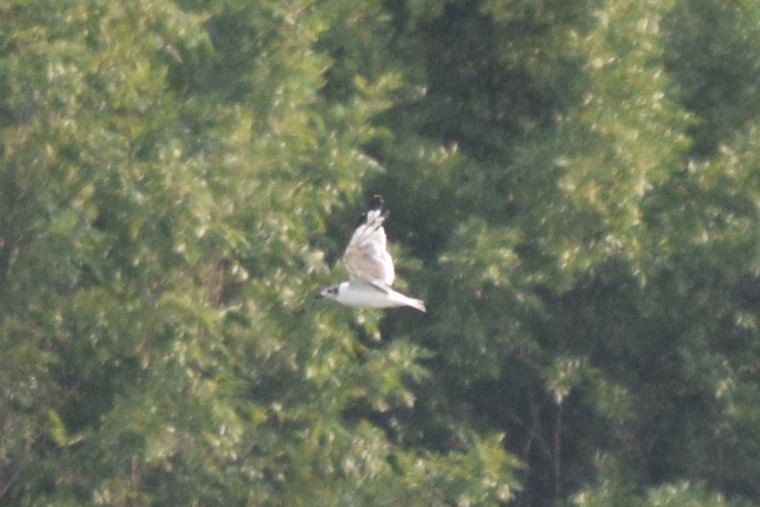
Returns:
<point x="365" y="295"/>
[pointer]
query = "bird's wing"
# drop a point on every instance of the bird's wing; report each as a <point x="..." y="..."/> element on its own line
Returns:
<point x="366" y="256"/>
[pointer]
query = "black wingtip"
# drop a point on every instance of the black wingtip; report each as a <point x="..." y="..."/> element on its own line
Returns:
<point x="376" y="202"/>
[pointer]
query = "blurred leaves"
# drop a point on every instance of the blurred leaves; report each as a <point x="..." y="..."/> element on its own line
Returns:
<point x="574" y="192"/>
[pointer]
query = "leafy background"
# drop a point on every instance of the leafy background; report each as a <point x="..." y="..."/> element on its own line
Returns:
<point x="574" y="190"/>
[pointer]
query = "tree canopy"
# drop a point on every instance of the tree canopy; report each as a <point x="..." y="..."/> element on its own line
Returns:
<point x="574" y="190"/>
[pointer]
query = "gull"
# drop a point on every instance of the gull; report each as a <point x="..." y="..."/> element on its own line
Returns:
<point x="370" y="267"/>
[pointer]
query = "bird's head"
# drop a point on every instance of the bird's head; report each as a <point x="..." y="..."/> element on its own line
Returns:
<point x="330" y="292"/>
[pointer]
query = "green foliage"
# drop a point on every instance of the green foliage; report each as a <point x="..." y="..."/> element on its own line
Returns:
<point x="587" y="277"/>
<point x="166" y="175"/>
<point x="712" y="49"/>
<point x="616" y="487"/>
<point x="574" y="192"/>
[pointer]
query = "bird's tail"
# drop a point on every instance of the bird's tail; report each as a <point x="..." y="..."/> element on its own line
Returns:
<point x="417" y="304"/>
<point x="399" y="299"/>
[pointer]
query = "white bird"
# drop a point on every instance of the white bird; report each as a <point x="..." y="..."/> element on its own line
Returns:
<point x="370" y="267"/>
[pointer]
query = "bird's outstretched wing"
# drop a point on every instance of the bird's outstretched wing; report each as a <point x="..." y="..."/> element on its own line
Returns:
<point x="366" y="257"/>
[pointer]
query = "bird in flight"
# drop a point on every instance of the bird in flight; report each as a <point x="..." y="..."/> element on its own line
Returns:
<point x="370" y="267"/>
